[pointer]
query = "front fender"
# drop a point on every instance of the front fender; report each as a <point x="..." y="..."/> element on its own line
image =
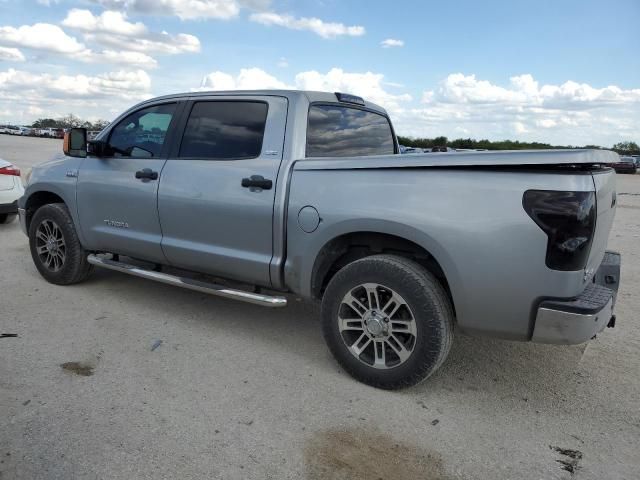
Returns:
<point x="59" y="177"/>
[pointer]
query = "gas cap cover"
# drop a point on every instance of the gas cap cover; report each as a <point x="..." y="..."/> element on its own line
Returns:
<point x="308" y="219"/>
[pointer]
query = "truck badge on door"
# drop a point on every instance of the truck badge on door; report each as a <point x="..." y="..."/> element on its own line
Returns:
<point x="114" y="223"/>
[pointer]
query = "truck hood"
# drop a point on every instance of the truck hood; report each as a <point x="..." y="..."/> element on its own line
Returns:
<point x="503" y="158"/>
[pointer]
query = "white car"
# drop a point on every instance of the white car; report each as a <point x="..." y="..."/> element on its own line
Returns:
<point x="11" y="190"/>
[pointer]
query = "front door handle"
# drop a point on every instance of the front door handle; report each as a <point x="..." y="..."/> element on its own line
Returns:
<point x="147" y="173"/>
<point x="257" y="181"/>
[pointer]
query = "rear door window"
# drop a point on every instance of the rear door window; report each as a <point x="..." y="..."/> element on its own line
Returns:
<point x="224" y="130"/>
<point x="338" y="131"/>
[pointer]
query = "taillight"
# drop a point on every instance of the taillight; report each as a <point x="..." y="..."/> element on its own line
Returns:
<point x="10" y="170"/>
<point x="569" y="220"/>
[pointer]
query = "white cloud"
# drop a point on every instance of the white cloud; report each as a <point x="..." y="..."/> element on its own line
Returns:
<point x="40" y="36"/>
<point x="50" y="38"/>
<point x="315" y="25"/>
<point x="113" y="30"/>
<point x="392" y="42"/>
<point x="247" y="79"/>
<point x="113" y="57"/>
<point x="106" y="22"/>
<point x="11" y="55"/>
<point x="30" y="95"/>
<point x="47" y="3"/>
<point x="569" y="113"/>
<point x="121" y="84"/>
<point x="183" y="9"/>
<point x="524" y="90"/>
<point x="368" y="85"/>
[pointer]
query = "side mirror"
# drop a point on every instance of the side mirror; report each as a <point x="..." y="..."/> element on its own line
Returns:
<point x="97" y="148"/>
<point x="75" y="143"/>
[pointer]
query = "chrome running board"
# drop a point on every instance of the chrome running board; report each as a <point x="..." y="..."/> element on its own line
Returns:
<point x="188" y="283"/>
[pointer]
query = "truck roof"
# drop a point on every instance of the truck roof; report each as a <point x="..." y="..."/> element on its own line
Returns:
<point x="310" y="95"/>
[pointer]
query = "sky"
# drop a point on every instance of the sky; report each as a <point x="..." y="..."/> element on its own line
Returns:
<point x="562" y="72"/>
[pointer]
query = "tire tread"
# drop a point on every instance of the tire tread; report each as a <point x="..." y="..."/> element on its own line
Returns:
<point x="79" y="268"/>
<point x="421" y="280"/>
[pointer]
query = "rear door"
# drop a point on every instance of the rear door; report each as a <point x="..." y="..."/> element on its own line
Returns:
<point x="117" y="193"/>
<point x="217" y="189"/>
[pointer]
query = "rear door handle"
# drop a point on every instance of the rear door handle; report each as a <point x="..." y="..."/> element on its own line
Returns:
<point x="257" y="181"/>
<point x="147" y="173"/>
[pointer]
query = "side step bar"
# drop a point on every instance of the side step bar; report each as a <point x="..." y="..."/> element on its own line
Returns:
<point x="188" y="283"/>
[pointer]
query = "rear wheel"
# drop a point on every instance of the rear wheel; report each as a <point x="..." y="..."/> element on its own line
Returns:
<point x="388" y="321"/>
<point x="55" y="247"/>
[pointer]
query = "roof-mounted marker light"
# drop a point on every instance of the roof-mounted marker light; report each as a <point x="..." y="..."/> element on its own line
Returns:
<point x="348" y="98"/>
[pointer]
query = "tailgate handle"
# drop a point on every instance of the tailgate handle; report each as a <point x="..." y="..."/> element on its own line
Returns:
<point x="257" y="181"/>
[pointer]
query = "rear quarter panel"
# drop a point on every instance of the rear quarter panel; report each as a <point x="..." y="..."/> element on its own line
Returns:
<point x="471" y="221"/>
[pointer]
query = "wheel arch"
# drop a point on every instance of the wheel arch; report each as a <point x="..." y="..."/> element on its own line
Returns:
<point x="38" y="199"/>
<point x="352" y="245"/>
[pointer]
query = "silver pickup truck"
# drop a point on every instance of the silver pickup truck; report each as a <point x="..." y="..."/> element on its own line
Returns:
<point x="305" y="192"/>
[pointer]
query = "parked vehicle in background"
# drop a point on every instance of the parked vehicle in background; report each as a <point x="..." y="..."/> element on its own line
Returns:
<point x="625" y="165"/>
<point x="305" y="192"/>
<point x="11" y="130"/>
<point x="439" y="149"/>
<point x="44" y="132"/>
<point x="52" y="132"/>
<point x="404" y="149"/>
<point x="636" y="160"/>
<point x="11" y="190"/>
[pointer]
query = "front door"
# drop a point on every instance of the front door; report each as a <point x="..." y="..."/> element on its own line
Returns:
<point x="117" y="194"/>
<point x="218" y="186"/>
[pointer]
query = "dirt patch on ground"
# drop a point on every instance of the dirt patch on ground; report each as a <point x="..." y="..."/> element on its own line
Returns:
<point x="360" y="454"/>
<point x="78" y="368"/>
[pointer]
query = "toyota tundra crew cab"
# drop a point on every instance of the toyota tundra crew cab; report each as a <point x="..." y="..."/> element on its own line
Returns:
<point x="253" y="194"/>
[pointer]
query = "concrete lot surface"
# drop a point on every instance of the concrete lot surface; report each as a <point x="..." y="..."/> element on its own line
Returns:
<point x="238" y="391"/>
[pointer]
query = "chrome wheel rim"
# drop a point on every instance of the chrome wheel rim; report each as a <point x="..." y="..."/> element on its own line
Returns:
<point x="377" y="326"/>
<point x="50" y="245"/>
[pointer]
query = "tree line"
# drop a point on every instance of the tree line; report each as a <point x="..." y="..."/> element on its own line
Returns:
<point x="69" y="121"/>
<point x="623" y="148"/>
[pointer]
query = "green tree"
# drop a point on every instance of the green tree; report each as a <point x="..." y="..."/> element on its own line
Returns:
<point x="627" y="148"/>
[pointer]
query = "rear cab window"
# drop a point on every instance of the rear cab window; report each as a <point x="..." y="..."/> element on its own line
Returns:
<point x="224" y="130"/>
<point x="340" y="131"/>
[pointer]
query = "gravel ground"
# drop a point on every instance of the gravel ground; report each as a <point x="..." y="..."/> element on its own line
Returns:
<point x="236" y="391"/>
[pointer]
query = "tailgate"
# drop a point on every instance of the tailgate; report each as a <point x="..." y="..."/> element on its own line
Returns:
<point x="605" y="186"/>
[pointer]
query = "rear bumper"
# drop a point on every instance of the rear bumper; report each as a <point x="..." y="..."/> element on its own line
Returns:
<point x="10" y="208"/>
<point x="577" y="320"/>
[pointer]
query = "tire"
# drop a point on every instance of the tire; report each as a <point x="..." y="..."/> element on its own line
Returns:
<point x="422" y="324"/>
<point x="67" y="263"/>
<point x="6" y="218"/>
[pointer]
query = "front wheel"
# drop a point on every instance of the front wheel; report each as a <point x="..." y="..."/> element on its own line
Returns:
<point x="387" y="321"/>
<point x="55" y="246"/>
